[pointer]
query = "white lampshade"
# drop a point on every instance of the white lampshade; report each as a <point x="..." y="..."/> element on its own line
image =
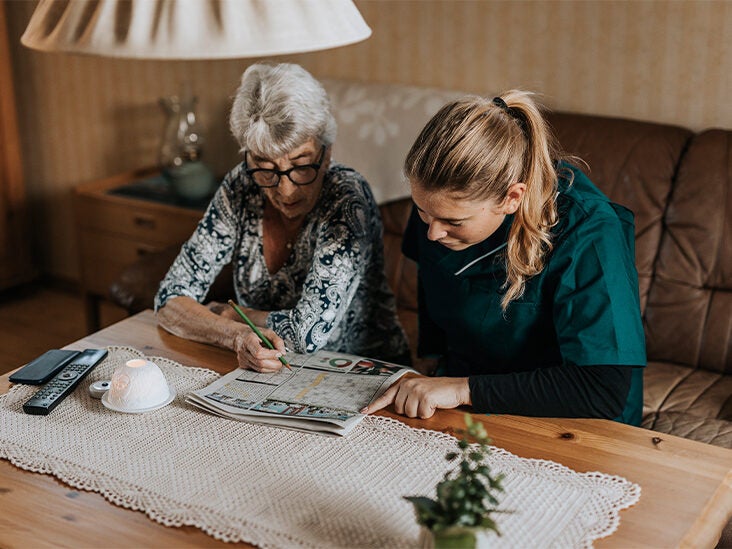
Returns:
<point x="193" y="29"/>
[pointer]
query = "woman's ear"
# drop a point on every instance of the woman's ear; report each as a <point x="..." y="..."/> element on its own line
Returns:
<point x="513" y="198"/>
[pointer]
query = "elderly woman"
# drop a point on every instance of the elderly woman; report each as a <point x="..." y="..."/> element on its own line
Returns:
<point x="303" y="234"/>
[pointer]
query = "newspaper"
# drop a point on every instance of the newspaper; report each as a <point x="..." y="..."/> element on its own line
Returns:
<point x="322" y="393"/>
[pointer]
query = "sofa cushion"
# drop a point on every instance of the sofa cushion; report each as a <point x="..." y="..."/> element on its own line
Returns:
<point x="634" y="164"/>
<point x="680" y="424"/>
<point x="689" y="313"/>
<point x="688" y="402"/>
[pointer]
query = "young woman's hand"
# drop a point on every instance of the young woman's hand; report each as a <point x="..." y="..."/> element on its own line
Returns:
<point x="420" y="396"/>
<point x="252" y="354"/>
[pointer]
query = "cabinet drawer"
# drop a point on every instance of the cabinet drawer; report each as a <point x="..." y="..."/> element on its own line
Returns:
<point x="158" y="225"/>
<point x="104" y="256"/>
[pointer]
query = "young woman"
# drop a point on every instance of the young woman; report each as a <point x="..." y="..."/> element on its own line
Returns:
<point x="527" y="280"/>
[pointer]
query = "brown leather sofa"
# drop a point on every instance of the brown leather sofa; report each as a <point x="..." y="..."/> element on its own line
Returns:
<point x="678" y="184"/>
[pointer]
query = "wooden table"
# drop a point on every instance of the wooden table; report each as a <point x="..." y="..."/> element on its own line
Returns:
<point x="686" y="486"/>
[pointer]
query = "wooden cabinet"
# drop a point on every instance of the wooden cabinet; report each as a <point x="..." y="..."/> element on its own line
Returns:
<point x="114" y="231"/>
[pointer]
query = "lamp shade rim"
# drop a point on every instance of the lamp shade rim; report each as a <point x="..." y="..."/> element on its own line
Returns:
<point x="194" y="29"/>
<point x="147" y="54"/>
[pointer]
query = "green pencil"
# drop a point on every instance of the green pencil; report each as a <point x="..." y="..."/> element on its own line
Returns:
<point x="266" y="341"/>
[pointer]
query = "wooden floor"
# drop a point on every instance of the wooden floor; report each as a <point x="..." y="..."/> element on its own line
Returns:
<point x="36" y="318"/>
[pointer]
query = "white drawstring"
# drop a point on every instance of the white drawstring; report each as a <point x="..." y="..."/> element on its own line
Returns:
<point x="481" y="257"/>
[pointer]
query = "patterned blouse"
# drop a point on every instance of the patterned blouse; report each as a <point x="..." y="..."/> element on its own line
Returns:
<point x="331" y="293"/>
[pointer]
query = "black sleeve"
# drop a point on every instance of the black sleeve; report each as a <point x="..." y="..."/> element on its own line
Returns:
<point x="561" y="391"/>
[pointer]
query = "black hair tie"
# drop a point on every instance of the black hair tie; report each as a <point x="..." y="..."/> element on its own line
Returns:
<point x="499" y="102"/>
<point x="516" y="114"/>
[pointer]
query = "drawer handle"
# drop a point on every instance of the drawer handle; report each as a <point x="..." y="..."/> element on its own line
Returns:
<point x="144" y="221"/>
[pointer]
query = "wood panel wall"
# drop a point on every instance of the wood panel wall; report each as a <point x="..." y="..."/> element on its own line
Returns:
<point x="663" y="60"/>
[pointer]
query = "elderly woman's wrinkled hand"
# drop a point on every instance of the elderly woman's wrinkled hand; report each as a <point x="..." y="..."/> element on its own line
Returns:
<point x="252" y="354"/>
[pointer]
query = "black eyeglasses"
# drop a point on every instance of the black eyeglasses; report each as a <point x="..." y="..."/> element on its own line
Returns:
<point x="299" y="175"/>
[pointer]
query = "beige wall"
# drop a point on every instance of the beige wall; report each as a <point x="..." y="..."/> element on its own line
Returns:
<point x="668" y="61"/>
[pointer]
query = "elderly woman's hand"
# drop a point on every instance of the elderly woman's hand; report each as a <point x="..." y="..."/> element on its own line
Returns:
<point x="252" y="354"/>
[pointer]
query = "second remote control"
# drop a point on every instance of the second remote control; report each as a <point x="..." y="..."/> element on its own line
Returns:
<point x="63" y="383"/>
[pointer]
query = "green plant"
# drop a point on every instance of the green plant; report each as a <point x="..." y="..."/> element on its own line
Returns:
<point x="466" y="497"/>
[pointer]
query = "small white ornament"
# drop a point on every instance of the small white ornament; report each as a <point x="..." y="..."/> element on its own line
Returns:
<point x="136" y="385"/>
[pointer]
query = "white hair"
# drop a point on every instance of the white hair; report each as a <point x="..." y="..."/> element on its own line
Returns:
<point x="278" y="108"/>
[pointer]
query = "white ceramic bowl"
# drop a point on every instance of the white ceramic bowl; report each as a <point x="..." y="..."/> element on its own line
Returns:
<point x="137" y="385"/>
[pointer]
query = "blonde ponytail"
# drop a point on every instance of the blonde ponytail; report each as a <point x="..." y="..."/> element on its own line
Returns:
<point x="530" y="238"/>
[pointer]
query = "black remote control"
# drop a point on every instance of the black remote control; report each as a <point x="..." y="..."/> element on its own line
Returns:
<point x="63" y="383"/>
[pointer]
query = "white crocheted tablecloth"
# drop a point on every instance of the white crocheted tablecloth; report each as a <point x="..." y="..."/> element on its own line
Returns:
<point x="279" y="488"/>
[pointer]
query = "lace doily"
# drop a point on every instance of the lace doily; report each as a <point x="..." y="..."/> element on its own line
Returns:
<point x="273" y="487"/>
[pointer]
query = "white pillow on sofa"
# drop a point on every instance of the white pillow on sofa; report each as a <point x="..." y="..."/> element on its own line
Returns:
<point x="377" y="124"/>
